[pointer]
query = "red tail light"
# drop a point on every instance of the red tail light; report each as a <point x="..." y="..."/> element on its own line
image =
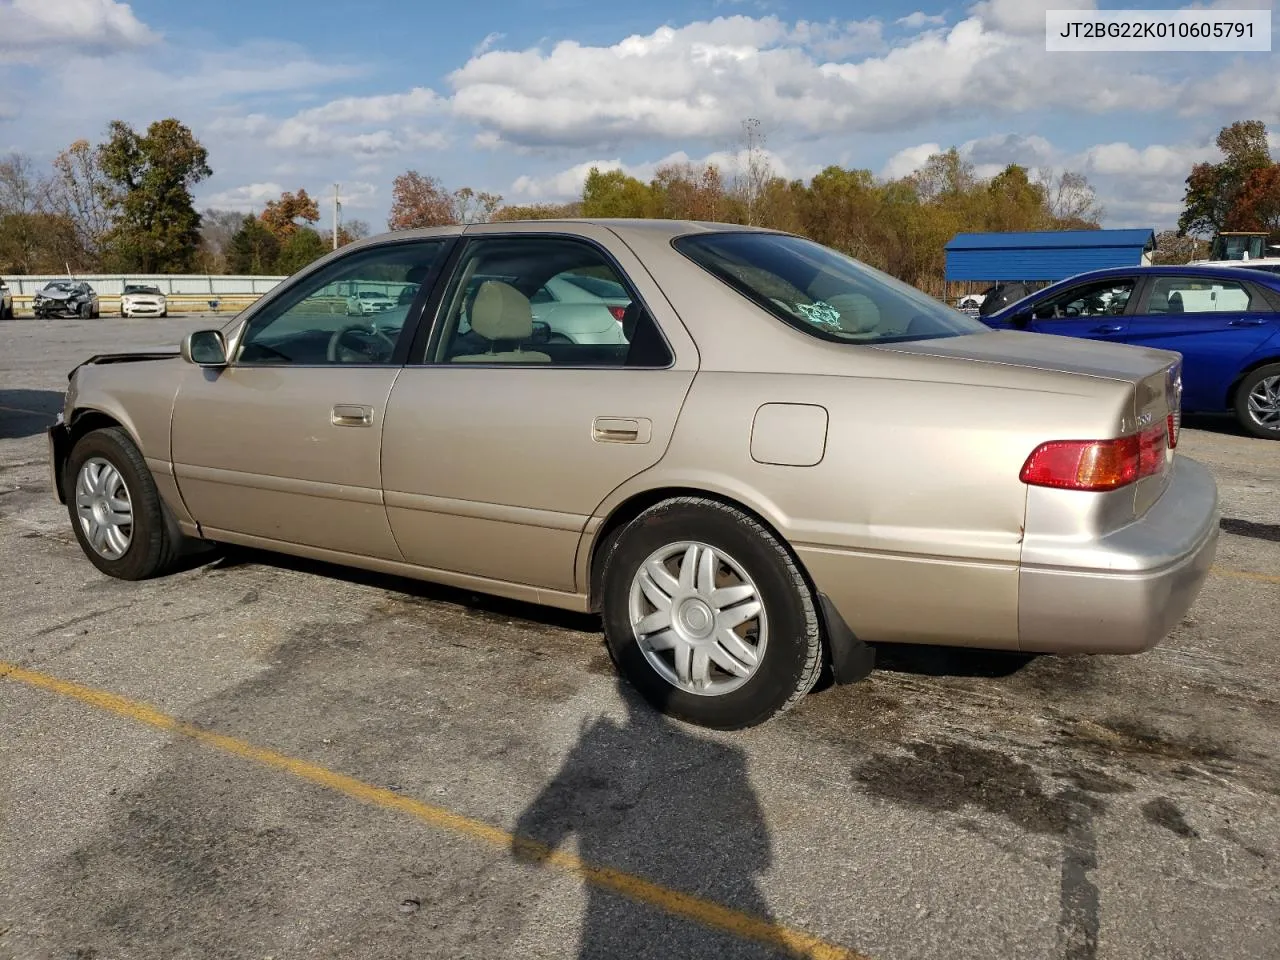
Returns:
<point x="1097" y="464"/>
<point x="1173" y="430"/>
<point x="618" y="313"/>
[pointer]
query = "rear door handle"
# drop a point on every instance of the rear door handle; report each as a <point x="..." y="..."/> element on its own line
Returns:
<point x="621" y="430"/>
<point x="1247" y="322"/>
<point x="351" y="415"/>
<point x="1108" y="328"/>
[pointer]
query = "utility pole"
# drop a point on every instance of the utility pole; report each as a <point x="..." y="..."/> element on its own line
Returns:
<point x="337" y="207"/>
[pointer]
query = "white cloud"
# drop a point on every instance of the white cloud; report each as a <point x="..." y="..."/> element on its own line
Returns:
<point x="1155" y="161"/>
<point x="1023" y="17"/>
<point x="246" y="198"/>
<point x="919" y="19"/>
<point x="487" y="43"/>
<point x="417" y="102"/>
<point x="839" y="40"/>
<point x="32" y="28"/>
<point x="908" y="160"/>
<point x="697" y="82"/>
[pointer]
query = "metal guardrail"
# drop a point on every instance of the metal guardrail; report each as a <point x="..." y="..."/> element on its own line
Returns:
<point x="113" y="284"/>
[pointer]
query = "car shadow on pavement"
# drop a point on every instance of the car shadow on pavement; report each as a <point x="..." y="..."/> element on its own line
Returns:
<point x="484" y="604"/>
<point x="647" y="796"/>
<point x="25" y="413"/>
<point x="1223" y="423"/>
<point x="934" y="661"/>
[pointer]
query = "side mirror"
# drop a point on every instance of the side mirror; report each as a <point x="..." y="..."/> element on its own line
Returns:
<point x="541" y="332"/>
<point x="205" y="348"/>
<point x="1020" y="320"/>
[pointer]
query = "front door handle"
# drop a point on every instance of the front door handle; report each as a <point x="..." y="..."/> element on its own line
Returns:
<point x="1246" y="322"/>
<point x="621" y="430"/>
<point x="351" y="415"/>
<point x="1108" y="328"/>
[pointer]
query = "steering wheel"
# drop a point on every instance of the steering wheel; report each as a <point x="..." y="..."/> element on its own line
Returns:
<point x="369" y="332"/>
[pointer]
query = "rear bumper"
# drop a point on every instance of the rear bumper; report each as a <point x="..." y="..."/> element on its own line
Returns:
<point x="1130" y="587"/>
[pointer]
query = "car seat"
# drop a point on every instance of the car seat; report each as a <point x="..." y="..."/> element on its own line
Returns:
<point x="502" y="314"/>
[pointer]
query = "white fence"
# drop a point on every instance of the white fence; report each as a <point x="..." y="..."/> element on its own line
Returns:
<point x="195" y="285"/>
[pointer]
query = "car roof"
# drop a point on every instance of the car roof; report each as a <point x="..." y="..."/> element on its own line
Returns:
<point x="620" y="225"/>
<point x="1180" y="270"/>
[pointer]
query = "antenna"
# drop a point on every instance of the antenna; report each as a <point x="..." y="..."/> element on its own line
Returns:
<point x="337" y="210"/>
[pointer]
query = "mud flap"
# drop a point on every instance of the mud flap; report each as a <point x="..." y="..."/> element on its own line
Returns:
<point x="851" y="659"/>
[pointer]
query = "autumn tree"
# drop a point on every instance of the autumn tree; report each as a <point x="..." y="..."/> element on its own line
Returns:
<point x="539" y="211"/>
<point x="1175" y="248"/>
<point x="1014" y="203"/>
<point x="282" y="216"/>
<point x="1213" y="189"/>
<point x="682" y="191"/>
<point x="1070" y="200"/>
<point x="419" y="201"/>
<point x="156" y="228"/>
<point x="1257" y="205"/>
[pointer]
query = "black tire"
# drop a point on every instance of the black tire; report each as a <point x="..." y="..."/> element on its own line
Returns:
<point x="156" y="542"/>
<point x="1242" y="402"/>
<point x="793" y="654"/>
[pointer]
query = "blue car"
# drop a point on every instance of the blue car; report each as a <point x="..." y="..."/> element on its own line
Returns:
<point x="1225" y="321"/>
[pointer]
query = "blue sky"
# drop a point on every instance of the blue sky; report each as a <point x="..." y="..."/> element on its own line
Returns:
<point x="522" y="98"/>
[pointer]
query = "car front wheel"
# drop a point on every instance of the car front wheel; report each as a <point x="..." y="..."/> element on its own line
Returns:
<point x="116" y="510"/>
<point x="707" y="614"/>
<point x="1258" y="402"/>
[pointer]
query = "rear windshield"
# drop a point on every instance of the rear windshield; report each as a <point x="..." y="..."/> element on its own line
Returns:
<point x="822" y="292"/>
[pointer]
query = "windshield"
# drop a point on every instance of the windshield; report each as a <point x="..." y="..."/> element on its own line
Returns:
<point x="824" y="293"/>
<point x="136" y="289"/>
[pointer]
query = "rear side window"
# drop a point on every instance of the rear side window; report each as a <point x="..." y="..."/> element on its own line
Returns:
<point x="1197" y="295"/>
<point x="821" y="292"/>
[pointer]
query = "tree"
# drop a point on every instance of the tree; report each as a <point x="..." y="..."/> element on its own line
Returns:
<point x="349" y="231"/>
<point x="157" y="228"/>
<point x="254" y="249"/>
<point x="615" y="194"/>
<point x="33" y="238"/>
<point x="303" y="246"/>
<point x="419" y="201"/>
<point x="217" y="228"/>
<point x="1014" y="202"/>
<point x="472" y="207"/>
<point x="1213" y="189"/>
<point x="281" y="216"/>
<point x="539" y="211"/>
<point x="1071" y="200"/>
<point x="81" y="192"/>
<point x="754" y="169"/>
<point x="1257" y="205"/>
<point x="1175" y="248"/>
<point x="681" y="191"/>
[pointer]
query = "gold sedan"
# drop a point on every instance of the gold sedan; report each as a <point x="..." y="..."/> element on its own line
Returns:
<point x="780" y="457"/>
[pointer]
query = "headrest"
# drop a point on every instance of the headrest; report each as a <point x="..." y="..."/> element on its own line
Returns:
<point x="501" y="312"/>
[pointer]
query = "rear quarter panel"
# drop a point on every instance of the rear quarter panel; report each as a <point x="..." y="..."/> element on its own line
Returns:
<point x="912" y="521"/>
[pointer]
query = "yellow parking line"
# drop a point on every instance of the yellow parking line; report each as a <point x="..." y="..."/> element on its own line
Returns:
<point x="1246" y="575"/>
<point x="685" y="905"/>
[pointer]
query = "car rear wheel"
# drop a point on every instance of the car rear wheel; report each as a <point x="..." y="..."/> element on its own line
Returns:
<point x="116" y="511"/>
<point x="1258" y="402"/>
<point x="707" y="614"/>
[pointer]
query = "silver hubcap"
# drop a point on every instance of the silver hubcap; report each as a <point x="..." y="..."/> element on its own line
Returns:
<point x="1264" y="403"/>
<point x="105" y="508"/>
<point x="698" y="618"/>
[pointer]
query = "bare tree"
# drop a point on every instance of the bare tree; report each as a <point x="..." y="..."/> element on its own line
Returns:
<point x="1070" y="197"/>
<point x="754" y="171"/>
<point x="82" y="192"/>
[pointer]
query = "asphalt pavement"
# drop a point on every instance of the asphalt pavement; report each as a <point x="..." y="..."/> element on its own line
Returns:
<point x="261" y="758"/>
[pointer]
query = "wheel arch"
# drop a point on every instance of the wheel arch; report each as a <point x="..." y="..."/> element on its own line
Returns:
<point x="849" y="659"/>
<point x="83" y="420"/>
<point x="1244" y="373"/>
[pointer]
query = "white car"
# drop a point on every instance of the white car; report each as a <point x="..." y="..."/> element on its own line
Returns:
<point x="139" y="300"/>
<point x="368" y="301"/>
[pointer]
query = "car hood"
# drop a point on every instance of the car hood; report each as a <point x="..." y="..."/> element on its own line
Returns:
<point x="55" y="294"/>
<point x="165" y="352"/>
<point x="1042" y="351"/>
